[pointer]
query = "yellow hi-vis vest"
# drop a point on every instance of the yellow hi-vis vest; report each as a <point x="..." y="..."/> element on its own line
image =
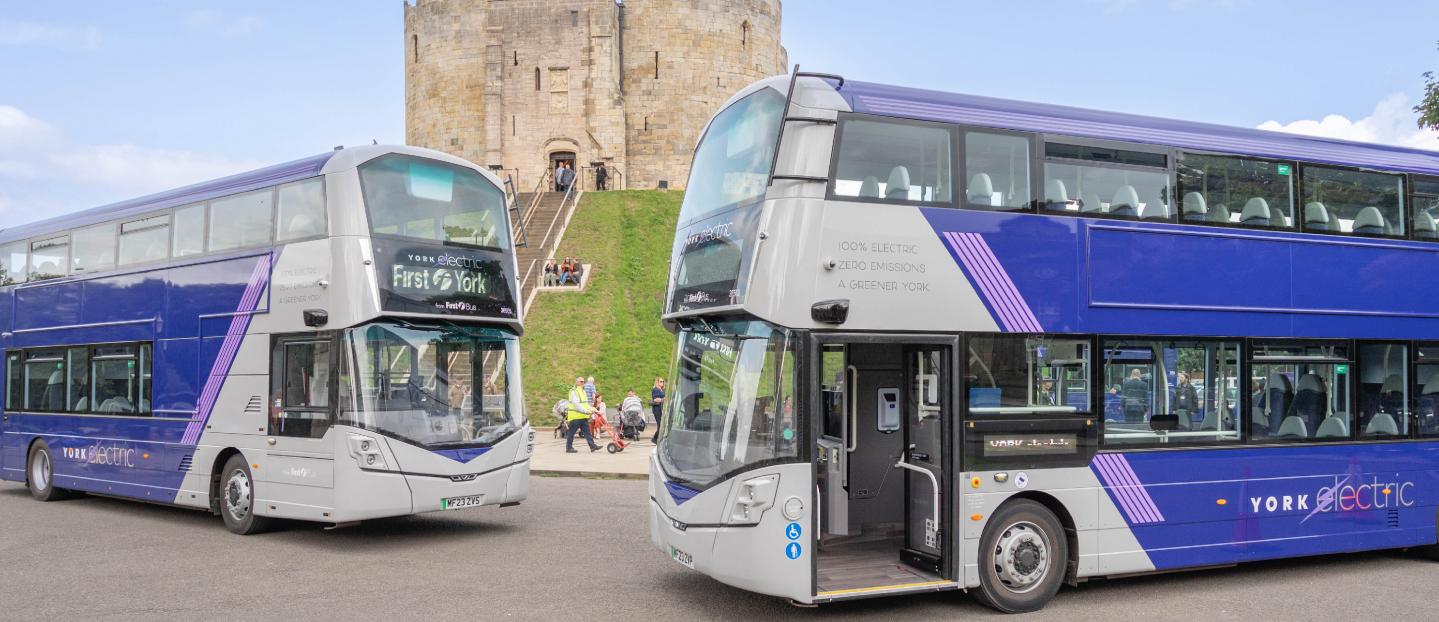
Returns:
<point x="577" y="403"/>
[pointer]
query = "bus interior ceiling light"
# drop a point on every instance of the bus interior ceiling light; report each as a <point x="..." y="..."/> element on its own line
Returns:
<point x="830" y="311"/>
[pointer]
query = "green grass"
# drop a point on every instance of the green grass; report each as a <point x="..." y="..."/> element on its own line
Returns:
<point x="611" y="330"/>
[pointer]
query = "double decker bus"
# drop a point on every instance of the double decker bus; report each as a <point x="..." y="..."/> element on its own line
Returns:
<point x="929" y="341"/>
<point x="332" y="339"/>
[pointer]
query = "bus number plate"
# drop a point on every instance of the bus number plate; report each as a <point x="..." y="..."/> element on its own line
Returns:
<point x="457" y="503"/>
<point x="682" y="557"/>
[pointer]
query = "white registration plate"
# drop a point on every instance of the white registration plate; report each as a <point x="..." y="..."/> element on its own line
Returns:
<point x="458" y="503"/>
<point x="682" y="557"/>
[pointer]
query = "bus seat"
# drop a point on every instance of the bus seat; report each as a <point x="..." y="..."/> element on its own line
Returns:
<point x="1293" y="426"/>
<point x="1391" y="394"/>
<point x="1310" y="400"/>
<point x="1333" y="427"/>
<point x="1424" y="226"/>
<point x="1091" y="205"/>
<point x="1055" y="196"/>
<point x="1125" y="203"/>
<point x="869" y="188"/>
<point x="1155" y="208"/>
<point x="981" y="190"/>
<point x="1277" y="395"/>
<point x="1213" y="417"/>
<point x="1194" y="208"/>
<point x="1382" y="423"/>
<point x="898" y="186"/>
<point x="1256" y="212"/>
<point x="1370" y="220"/>
<point x="1220" y="213"/>
<point x="1316" y="217"/>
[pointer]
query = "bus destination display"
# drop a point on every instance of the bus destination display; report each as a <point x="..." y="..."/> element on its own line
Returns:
<point x="1004" y="445"/>
<point x="444" y="280"/>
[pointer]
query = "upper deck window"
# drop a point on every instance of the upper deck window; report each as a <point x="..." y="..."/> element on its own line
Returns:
<point x="301" y="210"/>
<point x="240" y="221"/>
<point x="429" y="200"/>
<point x="997" y="167"/>
<point x="94" y="249"/>
<point x="732" y="162"/>
<point x="1221" y="189"/>
<point x="893" y="161"/>
<point x="1426" y="207"/>
<point x="1353" y="202"/>
<point x="49" y="258"/>
<point x="13" y="258"/>
<point x="1103" y="181"/>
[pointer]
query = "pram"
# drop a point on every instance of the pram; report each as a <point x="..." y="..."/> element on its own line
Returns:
<point x="632" y="423"/>
<point x="599" y="423"/>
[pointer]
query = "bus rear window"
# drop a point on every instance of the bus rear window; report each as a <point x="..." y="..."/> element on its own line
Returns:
<point x="428" y="200"/>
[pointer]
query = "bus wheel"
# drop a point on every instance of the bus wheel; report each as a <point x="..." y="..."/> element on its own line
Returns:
<point x="237" y="498"/>
<point x="40" y="474"/>
<point x="1023" y="557"/>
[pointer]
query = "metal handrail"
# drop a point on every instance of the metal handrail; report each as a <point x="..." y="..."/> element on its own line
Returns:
<point x="519" y="232"/>
<point x="785" y="120"/>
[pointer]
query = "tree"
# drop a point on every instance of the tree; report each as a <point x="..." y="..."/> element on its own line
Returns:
<point x="1428" y="108"/>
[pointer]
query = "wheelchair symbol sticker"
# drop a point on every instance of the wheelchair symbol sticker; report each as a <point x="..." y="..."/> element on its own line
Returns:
<point x="793" y="531"/>
<point x="792" y="551"/>
<point x="1021" y="480"/>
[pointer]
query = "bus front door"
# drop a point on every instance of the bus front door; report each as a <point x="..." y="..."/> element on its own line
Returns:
<point x="925" y="416"/>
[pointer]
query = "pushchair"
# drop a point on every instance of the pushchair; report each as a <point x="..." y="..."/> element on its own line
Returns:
<point x="632" y="423"/>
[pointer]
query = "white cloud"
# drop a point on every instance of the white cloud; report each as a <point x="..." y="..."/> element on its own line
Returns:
<point x="44" y="173"/>
<point x="211" y="21"/>
<point x="42" y="35"/>
<point x="1391" y="123"/>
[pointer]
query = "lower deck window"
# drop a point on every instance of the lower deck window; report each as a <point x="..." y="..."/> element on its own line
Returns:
<point x="1168" y="391"/>
<point x="1301" y="392"/>
<point x="113" y="379"/>
<point x="1027" y="375"/>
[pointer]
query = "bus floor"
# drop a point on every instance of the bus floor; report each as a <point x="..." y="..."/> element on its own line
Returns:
<point x="866" y="563"/>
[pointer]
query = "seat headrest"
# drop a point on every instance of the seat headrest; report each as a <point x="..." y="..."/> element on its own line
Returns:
<point x="1370" y="220"/>
<point x="1255" y="210"/>
<point x="869" y="188"/>
<point x="981" y="189"/>
<point x="1054" y="191"/>
<point x="1311" y="382"/>
<point x="1278" y="381"/>
<point x="1394" y="383"/>
<point x="1092" y="204"/>
<point x="1194" y="204"/>
<point x="1424" y="225"/>
<point x="1316" y="216"/>
<point x="1220" y="213"/>
<point x="1124" y="196"/>
<point x="898" y="186"/>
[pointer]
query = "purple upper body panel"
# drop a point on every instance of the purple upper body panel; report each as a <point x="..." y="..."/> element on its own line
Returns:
<point x="1048" y="118"/>
<point x="253" y="180"/>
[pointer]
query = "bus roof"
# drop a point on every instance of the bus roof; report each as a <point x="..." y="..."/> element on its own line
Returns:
<point x="896" y="101"/>
<point x="252" y="180"/>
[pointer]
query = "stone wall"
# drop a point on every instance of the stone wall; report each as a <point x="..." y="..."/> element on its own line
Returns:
<point x="508" y="82"/>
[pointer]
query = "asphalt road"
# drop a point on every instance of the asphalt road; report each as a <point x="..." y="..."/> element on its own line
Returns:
<point x="578" y="550"/>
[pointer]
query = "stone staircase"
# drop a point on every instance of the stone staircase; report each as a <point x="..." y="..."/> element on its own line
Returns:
<point x="545" y="215"/>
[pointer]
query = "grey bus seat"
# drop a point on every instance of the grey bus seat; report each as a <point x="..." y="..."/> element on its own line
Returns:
<point x="1214" y="418"/>
<point x="1334" y="426"/>
<point x="1311" y="401"/>
<point x="1154" y="208"/>
<point x="1256" y="212"/>
<point x="1277" y="395"/>
<point x="1125" y="203"/>
<point x="1055" y="196"/>
<point x="1382" y="423"/>
<point x="1220" y="213"/>
<point x="1391" y="394"/>
<point x="898" y="186"/>
<point x="1316" y="217"/>
<point x="1371" y="221"/>
<point x="1090" y="204"/>
<point x="1293" y="426"/>
<point x="1424" y="226"/>
<point x="1194" y="208"/>
<point x="869" y="188"/>
<point x="981" y="190"/>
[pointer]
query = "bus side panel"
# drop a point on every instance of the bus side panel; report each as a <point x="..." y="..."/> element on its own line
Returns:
<point x="125" y="456"/>
<point x="1197" y="508"/>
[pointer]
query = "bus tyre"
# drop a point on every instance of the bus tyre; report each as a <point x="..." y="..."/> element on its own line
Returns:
<point x="237" y="498"/>
<point x="40" y="474"/>
<point x="1023" y="557"/>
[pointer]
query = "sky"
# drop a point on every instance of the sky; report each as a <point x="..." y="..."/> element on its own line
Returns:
<point x="102" y="101"/>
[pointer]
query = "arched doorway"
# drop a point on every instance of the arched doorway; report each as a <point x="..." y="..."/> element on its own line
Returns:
<point x="568" y="158"/>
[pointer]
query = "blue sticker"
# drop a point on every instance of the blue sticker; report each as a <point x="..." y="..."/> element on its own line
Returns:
<point x="792" y="551"/>
<point x="792" y="531"/>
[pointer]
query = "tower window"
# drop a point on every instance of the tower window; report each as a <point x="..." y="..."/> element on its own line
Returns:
<point x="574" y="18"/>
<point x="415" y="45"/>
<point x="657" y="64"/>
<point x="744" y="34"/>
<point x="537" y="78"/>
<point x="517" y="59"/>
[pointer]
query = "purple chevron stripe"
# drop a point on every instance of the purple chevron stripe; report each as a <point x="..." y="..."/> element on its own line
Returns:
<point x="1126" y="488"/>
<point x="995" y="286"/>
<point x="239" y="324"/>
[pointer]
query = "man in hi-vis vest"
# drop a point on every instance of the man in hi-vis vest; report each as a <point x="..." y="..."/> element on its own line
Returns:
<point x="578" y="418"/>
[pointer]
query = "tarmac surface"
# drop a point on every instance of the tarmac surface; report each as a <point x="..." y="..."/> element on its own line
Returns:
<point x="577" y="550"/>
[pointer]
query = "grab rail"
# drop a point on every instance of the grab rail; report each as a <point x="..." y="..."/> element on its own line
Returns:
<point x="933" y="481"/>
<point x="852" y="443"/>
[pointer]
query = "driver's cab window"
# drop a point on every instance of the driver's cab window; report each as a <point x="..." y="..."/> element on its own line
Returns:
<point x="1027" y="375"/>
<point x="300" y="382"/>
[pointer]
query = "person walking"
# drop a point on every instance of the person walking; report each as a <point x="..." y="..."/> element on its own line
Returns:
<point x="590" y="389"/>
<point x="602" y="177"/>
<point x="560" y="176"/>
<point x="657" y="404"/>
<point x="578" y="418"/>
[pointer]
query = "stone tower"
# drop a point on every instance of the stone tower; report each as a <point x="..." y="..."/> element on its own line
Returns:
<point x="516" y="84"/>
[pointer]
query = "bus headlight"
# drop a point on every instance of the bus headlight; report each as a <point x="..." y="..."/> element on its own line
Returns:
<point x="366" y="451"/>
<point x="752" y="497"/>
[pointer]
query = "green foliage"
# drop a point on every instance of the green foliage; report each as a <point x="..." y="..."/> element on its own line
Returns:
<point x="1428" y="107"/>
<point x="611" y="330"/>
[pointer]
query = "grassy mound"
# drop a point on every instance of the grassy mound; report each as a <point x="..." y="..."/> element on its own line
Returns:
<point x="611" y="330"/>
